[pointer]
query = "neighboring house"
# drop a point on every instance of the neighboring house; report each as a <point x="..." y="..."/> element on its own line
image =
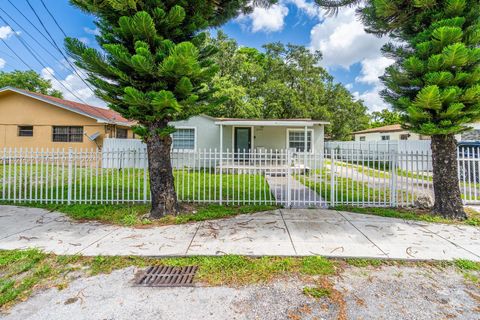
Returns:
<point x="33" y="120"/>
<point x="472" y="135"/>
<point x="204" y="132"/>
<point x="386" y="133"/>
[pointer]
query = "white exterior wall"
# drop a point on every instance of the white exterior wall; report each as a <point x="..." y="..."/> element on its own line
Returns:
<point x="207" y="134"/>
<point x="394" y="136"/>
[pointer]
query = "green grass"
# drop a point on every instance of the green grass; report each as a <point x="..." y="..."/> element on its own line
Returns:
<point x="23" y="271"/>
<point x="347" y="190"/>
<point x="410" y="214"/>
<point x="134" y="215"/>
<point x="316" y="292"/>
<point x="362" y="263"/>
<point x="129" y="185"/>
<point x="469" y="269"/>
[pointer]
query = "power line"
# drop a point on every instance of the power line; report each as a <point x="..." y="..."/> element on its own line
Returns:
<point x="56" y="45"/>
<point x="54" y="20"/>
<point x="34" y="55"/>
<point x="30" y="22"/>
<point x="28" y="34"/>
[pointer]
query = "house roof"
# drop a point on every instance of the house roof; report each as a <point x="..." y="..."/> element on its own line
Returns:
<point x="269" y="122"/>
<point x="389" y="128"/>
<point x="100" y="114"/>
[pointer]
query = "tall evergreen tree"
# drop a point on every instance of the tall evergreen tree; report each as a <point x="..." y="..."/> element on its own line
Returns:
<point x="435" y="80"/>
<point x="153" y="69"/>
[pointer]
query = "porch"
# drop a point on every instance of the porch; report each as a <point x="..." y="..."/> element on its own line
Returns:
<point x="246" y="136"/>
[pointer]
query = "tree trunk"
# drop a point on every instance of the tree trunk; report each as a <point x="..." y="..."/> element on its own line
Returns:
<point x="162" y="187"/>
<point x="448" y="201"/>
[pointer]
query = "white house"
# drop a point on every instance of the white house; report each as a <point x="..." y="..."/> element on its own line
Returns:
<point x="205" y="132"/>
<point x="392" y="132"/>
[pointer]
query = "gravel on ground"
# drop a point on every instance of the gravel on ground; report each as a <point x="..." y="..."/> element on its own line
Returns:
<point x="387" y="292"/>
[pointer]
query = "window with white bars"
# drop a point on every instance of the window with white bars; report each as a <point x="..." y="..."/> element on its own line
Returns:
<point x="184" y="139"/>
<point x="296" y="140"/>
<point x="67" y="134"/>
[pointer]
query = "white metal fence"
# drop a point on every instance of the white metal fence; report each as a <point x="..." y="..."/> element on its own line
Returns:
<point x="277" y="177"/>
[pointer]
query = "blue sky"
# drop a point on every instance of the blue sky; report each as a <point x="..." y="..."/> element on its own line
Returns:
<point x="351" y="56"/>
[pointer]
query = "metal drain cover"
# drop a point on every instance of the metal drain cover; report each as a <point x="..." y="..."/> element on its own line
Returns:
<point x="166" y="276"/>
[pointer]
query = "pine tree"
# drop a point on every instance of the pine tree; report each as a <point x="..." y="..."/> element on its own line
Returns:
<point x="153" y="69"/>
<point x="435" y="80"/>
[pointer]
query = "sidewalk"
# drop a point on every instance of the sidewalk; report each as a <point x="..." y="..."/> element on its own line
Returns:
<point x="296" y="232"/>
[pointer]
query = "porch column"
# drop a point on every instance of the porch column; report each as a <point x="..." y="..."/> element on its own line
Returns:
<point x="221" y="163"/>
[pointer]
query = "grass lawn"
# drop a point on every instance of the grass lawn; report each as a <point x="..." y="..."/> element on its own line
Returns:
<point x="411" y="214"/>
<point x="49" y="183"/>
<point x="347" y="190"/>
<point x="22" y="272"/>
<point x="134" y="215"/>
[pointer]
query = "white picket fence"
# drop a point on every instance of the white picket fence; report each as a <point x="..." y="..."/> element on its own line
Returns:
<point x="275" y="177"/>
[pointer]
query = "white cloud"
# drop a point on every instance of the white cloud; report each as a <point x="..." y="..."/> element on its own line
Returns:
<point x="310" y="8"/>
<point x="372" y="68"/>
<point x="343" y="40"/>
<point x="75" y="85"/>
<point x="371" y="98"/>
<point x="6" y="32"/>
<point x="269" y="19"/>
<point x="95" y="31"/>
<point x="84" y="40"/>
<point x="2" y="63"/>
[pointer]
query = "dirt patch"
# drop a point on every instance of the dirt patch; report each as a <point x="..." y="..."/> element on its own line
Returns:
<point x="387" y="292"/>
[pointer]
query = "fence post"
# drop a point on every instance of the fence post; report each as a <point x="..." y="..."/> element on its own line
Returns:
<point x="332" y="179"/>
<point x="289" y="192"/>
<point x="145" y="168"/>
<point x="69" y="174"/>
<point x="393" y="180"/>
<point x="221" y="175"/>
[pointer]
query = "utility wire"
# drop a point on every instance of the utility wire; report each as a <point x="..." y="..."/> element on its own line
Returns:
<point x="57" y="47"/>
<point x="30" y="22"/>
<point x="29" y="34"/>
<point x="34" y="55"/>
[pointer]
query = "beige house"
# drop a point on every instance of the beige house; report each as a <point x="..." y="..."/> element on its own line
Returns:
<point x="33" y="120"/>
<point x="386" y="133"/>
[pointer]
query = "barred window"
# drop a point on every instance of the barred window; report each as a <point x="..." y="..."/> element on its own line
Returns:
<point x="25" y="131"/>
<point x="296" y="140"/>
<point x="67" y="134"/>
<point x="183" y="139"/>
<point x="122" y="133"/>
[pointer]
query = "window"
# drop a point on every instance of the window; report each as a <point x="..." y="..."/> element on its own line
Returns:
<point x="67" y="134"/>
<point x="362" y="138"/>
<point x="404" y="136"/>
<point x="385" y="138"/>
<point x="184" y="139"/>
<point x="296" y="140"/>
<point x="25" y="131"/>
<point x="122" y="133"/>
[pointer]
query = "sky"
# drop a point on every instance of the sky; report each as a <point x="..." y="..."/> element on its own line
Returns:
<point x="351" y="55"/>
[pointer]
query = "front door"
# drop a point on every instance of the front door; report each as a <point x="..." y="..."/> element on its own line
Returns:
<point x="242" y="141"/>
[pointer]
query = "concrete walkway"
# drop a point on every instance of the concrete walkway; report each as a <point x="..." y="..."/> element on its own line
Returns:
<point x="282" y="232"/>
<point x="301" y="196"/>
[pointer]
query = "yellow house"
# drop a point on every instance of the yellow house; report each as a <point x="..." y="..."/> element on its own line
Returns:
<point x="33" y="120"/>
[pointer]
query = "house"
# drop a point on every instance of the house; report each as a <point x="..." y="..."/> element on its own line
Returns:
<point x="386" y="133"/>
<point x="239" y="135"/>
<point x="33" y="120"/>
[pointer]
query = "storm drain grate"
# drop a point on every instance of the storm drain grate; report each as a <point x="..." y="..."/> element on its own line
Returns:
<point x="166" y="276"/>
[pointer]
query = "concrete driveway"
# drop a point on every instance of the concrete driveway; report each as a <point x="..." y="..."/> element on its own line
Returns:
<point x="297" y="232"/>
